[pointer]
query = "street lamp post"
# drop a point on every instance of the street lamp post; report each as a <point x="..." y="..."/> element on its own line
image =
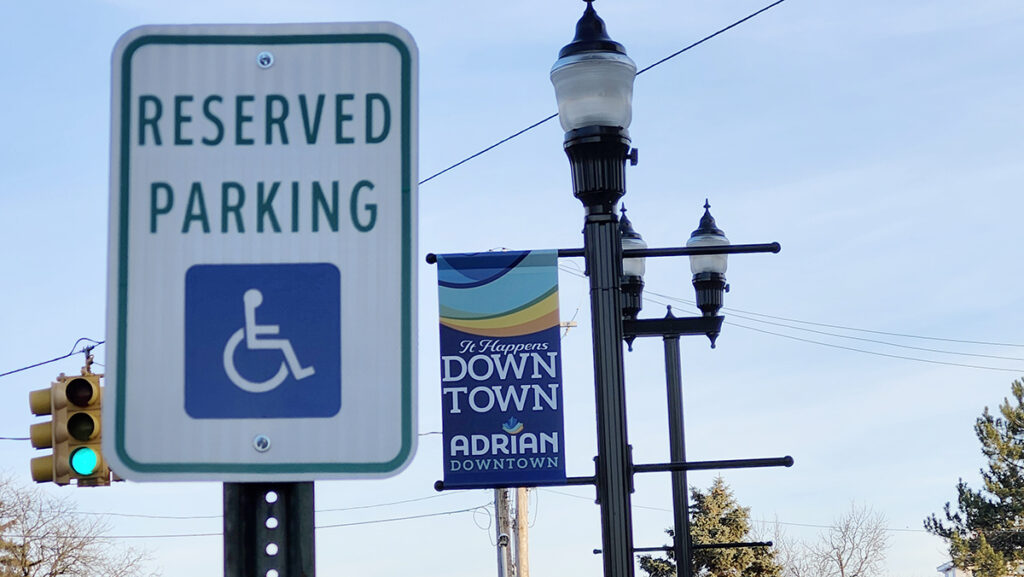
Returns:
<point x="593" y="80"/>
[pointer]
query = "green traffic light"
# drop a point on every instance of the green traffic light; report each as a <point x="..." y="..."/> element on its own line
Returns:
<point x="84" y="461"/>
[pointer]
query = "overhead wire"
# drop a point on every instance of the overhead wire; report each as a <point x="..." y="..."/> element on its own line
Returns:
<point x="218" y="516"/>
<point x="877" y="353"/>
<point x="759" y="521"/>
<point x="887" y="343"/>
<point x="639" y="72"/>
<point x="53" y="360"/>
<point x="406" y="518"/>
<point x="877" y="332"/>
<point x="318" y="527"/>
<point x="734" y="312"/>
<point x="856" y="349"/>
<point x="664" y="299"/>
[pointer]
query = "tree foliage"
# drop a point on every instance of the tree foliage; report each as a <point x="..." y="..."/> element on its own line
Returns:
<point x="716" y="517"/>
<point x="41" y="536"/>
<point x="986" y="531"/>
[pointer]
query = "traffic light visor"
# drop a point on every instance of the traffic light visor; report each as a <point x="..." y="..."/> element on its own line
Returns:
<point x="39" y="402"/>
<point x="42" y="469"/>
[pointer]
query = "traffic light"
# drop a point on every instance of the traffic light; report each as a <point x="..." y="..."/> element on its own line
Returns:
<point x="74" y="432"/>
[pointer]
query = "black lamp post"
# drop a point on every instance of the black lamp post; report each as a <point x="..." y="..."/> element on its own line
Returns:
<point x="593" y="80"/>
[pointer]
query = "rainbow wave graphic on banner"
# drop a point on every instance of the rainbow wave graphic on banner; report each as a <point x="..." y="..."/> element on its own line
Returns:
<point x="478" y="296"/>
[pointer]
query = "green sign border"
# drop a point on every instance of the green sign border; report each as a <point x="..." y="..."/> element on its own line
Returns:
<point x="405" y="452"/>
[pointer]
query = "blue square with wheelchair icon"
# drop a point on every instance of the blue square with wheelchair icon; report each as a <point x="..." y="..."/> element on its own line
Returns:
<point x="262" y="341"/>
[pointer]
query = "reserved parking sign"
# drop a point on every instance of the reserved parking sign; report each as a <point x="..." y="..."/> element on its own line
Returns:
<point x="262" y="304"/>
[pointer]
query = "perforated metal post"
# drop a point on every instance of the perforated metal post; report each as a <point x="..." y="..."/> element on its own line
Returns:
<point x="268" y="530"/>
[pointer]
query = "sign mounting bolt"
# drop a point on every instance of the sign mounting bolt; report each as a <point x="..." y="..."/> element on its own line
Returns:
<point x="261" y="443"/>
<point x="265" y="59"/>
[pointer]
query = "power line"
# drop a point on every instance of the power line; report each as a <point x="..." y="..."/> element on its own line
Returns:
<point x="891" y="529"/>
<point x="403" y="502"/>
<point x="856" y="329"/>
<point x="892" y="356"/>
<point x="332" y="526"/>
<point x="219" y="516"/>
<point x="859" y="350"/>
<point x="489" y="148"/>
<point x="73" y="352"/>
<point x="710" y="36"/>
<point x="425" y="434"/>
<point x="887" y="343"/>
<point x="407" y="518"/>
<point x="641" y="71"/>
<point x="635" y="506"/>
<point x="650" y="293"/>
<point x="656" y="296"/>
<point x="761" y="521"/>
<point x="318" y="527"/>
<point x="905" y="335"/>
<point x="146" y="516"/>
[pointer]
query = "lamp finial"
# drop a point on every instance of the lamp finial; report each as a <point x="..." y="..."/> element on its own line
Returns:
<point x="707" y="223"/>
<point x="591" y="35"/>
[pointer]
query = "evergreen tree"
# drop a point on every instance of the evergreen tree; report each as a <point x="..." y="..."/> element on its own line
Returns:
<point x="716" y="517"/>
<point x="986" y="532"/>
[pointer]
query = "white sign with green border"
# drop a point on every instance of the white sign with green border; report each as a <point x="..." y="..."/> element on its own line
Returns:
<point x="262" y="283"/>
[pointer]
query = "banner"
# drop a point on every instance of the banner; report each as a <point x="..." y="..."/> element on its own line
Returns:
<point x="501" y="369"/>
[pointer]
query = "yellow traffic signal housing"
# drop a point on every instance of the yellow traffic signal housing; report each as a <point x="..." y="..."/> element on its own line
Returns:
<point x="80" y="430"/>
<point x="41" y="434"/>
<point x="74" y="432"/>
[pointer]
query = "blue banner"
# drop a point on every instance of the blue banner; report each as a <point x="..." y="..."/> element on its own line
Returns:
<point x="501" y="369"/>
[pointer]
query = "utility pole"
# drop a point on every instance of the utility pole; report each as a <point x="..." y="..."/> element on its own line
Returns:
<point x="503" y="533"/>
<point x="522" y="530"/>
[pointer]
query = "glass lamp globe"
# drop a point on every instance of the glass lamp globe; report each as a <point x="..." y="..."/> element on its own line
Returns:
<point x="593" y="78"/>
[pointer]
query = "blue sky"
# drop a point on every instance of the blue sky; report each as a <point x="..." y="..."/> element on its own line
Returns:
<point x="878" y="142"/>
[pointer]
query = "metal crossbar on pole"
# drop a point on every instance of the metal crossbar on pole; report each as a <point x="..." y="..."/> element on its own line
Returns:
<point x="786" y="461"/>
<point x="772" y="247"/>
<point x="701" y="546"/>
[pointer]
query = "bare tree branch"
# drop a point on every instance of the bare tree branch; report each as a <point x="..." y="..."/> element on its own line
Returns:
<point x="42" y="536"/>
<point x="855" y="546"/>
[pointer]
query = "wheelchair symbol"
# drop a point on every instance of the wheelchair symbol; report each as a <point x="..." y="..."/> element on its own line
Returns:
<point x="251" y="333"/>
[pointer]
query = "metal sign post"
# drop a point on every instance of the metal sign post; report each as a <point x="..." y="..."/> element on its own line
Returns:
<point x="268" y="527"/>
